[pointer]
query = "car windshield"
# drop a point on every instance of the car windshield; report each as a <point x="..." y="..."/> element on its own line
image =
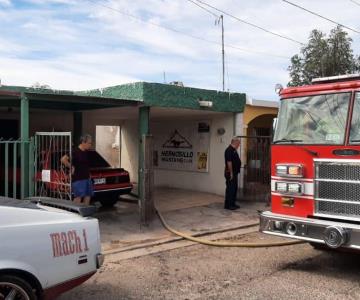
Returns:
<point x="317" y="119"/>
<point x="355" y="121"/>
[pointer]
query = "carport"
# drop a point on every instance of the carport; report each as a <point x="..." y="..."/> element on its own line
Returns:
<point x="21" y="102"/>
<point x="181" y="120"/>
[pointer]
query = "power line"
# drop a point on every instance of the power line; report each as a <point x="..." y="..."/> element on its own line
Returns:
<point x="184" y="33"/>
<point x="250" y="24"/>
<point x="204" y="8"/>
<point x="255" y="52"/>
<point x="320" y="16"/>
<point x="353" y="1"/>
<point x="218" y="20"/>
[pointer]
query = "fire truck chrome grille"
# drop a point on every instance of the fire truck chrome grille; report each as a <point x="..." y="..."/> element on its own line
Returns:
<point x="337" y="188"/>
<point x="338" y="209"/>
<point x="343" y="171"/>
<point x="339" y="191"/>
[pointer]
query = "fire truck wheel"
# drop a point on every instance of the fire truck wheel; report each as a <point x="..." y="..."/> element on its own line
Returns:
<point x="13" y="287"/>
<point x="108" y="202"/>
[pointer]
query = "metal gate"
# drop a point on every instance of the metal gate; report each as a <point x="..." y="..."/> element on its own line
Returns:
<point x="257" y="166"/>
<point x="52" y="178"/>
<point x="258" y="159"/>
<point x="12" y="153"/>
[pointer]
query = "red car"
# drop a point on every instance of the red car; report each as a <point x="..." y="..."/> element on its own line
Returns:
<point x="109" y="182"/>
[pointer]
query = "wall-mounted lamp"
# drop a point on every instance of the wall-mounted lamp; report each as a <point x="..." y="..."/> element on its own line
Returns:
<point x="221" y="131"/>
<point x="205" y="103"/>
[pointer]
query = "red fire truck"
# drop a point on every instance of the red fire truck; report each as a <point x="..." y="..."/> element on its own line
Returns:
<point x="315" y="164"/>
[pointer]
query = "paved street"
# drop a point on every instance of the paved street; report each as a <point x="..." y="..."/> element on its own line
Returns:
<point x="201" y="272"/>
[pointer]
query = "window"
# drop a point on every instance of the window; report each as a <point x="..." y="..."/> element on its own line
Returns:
<point x="317" y="119"/>
<point x="355" y="121"/>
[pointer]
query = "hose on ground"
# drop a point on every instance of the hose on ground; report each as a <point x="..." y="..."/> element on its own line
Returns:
<point x="224" y="244"/>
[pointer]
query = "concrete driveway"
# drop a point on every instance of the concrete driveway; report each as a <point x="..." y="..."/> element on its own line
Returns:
<point x="187" y="211"/>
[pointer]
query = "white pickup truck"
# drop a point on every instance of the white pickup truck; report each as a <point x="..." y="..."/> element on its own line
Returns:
<point x="47" y="247"/>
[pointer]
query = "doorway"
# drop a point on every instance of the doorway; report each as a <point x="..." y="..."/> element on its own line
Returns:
<point x="108" y="144"/>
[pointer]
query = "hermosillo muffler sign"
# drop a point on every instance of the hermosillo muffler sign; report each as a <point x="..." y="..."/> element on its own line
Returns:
<point x="183" y="147"/>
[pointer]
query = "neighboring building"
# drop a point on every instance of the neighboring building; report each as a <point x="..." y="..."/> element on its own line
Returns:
<point x="257" y="123"/>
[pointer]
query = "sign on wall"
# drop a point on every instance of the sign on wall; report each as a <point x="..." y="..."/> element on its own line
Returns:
<point x="182" y="147"/>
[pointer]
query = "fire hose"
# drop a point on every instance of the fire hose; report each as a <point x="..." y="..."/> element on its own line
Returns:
<point x="224" y="244"/>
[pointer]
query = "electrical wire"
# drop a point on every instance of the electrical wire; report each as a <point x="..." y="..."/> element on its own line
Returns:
<point x="355" y="2"/>
<point x="217" y="21"/>
<point x="250" y="24"/>
<point x="204" y="8"/>
<point x="184" y="33"/>
<point x="320" y="16"/>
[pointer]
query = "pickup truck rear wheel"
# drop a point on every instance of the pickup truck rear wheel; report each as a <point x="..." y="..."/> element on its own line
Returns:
<point x="13" y="287"/>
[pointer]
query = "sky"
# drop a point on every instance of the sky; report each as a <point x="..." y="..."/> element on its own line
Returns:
<point x="88" y="44"/>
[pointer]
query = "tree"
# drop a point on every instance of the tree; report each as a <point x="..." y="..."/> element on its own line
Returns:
<point x="296" y="71"/>
<point x="357" y="64"/>
<point x="315" y="56"/>
<point x="341" y="60"/>
<point x="323" y="56"/>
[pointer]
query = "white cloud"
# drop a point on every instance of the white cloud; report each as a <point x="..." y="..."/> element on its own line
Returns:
<point x="5" y="2"/>
<point x="76" y="45"/>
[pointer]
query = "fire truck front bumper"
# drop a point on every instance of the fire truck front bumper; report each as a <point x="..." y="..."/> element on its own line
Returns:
<point x="333" y="234"/>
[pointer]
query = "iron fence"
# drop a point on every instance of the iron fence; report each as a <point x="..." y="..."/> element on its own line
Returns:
<point x="258" y="160"/>
<point x="256" y="165"/>
<point x="11" y="183"/>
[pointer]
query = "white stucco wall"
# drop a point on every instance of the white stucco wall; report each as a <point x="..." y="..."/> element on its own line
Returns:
<point x="130" y="148"/>
<point x="129" y="151"/>
<point x="213" y="181"/>
<point x="97" y="117"/>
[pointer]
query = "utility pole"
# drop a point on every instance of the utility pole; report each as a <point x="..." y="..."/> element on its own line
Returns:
<point x="223" y="52"/>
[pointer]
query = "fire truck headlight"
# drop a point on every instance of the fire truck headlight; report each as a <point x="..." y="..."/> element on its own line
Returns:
<point x="295" y="170"/>
<point x="281" y="170"/>
<point x="289" y="170"/>
<point x="294" y="188"/>
<point x="281" y="187"/>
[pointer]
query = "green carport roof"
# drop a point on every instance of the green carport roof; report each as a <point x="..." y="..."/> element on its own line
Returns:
<point x="133" y="94"/>
<point x="59" y="99"/>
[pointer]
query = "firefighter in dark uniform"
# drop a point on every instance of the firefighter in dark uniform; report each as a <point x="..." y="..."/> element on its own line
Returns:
<point x="232" y="170"/>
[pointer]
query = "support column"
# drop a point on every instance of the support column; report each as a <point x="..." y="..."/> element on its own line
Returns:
<point x="24" y="134"/>
<point x="78" y="122"/>
<point x="145" y="173"/>
<point x="239" y="131"/>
